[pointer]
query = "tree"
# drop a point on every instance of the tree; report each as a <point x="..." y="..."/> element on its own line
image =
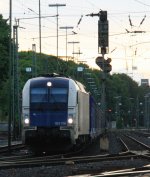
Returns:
<point x="4" y="65"/>
<point x="4" y="48"/>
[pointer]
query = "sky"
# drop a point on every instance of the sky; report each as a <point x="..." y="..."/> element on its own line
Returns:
<point x="129" y="51"/>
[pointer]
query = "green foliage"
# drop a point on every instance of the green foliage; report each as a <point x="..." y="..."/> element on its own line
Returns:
<point x="4" y="48"/>
<point x="4" y="101"/>
<point x="119" y="123"/>
<point x="4" y="65"/>
<point x="116" y="84"/>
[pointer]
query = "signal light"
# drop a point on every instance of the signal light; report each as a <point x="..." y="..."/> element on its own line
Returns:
<point x="100" y="61"/>
<point x="103" y="16"/>
<point x="108" y="66"/>
<point x="104" y="64"/>
<point x="103" y="50"/>
<point x="103" y="34"/>
<point x="103" y="28"/>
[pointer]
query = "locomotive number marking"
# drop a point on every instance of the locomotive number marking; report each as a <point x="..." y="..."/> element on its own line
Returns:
<point x="60" y="123"/>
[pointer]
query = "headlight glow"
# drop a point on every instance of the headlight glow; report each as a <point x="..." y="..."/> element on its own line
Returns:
<point x="49" y="84"/>
<point x="70" y="120"/>
<point x="26" y="121"/>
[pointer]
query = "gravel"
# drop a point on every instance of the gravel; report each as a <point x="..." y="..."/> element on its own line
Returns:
<point x="70" y="170"/>
<point x="84" y="168"/>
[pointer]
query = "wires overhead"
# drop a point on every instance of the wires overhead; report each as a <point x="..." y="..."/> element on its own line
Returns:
<point x="130" y="21"/>
<point x="142" y="21"/>
<point x="131" y="24"/>
<point x="113" y="50"/>
<point x="142" y="3"/>
<point x="79" y="21"/>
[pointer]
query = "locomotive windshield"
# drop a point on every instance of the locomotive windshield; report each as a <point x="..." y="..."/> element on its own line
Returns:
<point x="49" y="98"/>
<point x="39" y="95"/>
<point x="58" y="95"/>
<point x="53" y="95"/>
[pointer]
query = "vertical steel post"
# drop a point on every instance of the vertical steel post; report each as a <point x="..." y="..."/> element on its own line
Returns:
<point x="73" y="43"/>
<point x="34" y="69"/>
<point x="15" y="86"/>
<point x="13" y="79"/>
<point x="66" y="28"/>
<point x="10" y="78"/>
<point x="40" y="45"/>
<point x="103" y="95"/>
<point x="57" y="5"/>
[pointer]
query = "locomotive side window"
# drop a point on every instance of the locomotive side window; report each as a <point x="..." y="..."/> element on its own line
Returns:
<point x="39" y="95"/>
<point x="59" y="95"/>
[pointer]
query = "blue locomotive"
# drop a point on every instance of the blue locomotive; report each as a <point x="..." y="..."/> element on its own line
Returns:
<point x="57" y="112"/>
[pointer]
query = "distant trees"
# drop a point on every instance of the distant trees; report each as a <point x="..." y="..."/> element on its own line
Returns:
<point x="4" y="48"/>
<point x="123" y="96"/>
<point x="4" y="65"/>
<point x="116" y="85"/>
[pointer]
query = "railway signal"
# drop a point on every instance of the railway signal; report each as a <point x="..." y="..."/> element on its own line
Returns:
<point x="100" y="62"/>
<point x="104" y="64"/>
<point x="108" y="66"/>
<point x="103" y="42"/>
<point x="103" y="28"/>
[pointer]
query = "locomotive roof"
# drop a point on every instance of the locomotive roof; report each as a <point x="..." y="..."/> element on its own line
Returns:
<point x="53" y="75"/>
<point x="61" y="77"/>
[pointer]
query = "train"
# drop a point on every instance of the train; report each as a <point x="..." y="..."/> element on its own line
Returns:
<point x="58" y="113"/>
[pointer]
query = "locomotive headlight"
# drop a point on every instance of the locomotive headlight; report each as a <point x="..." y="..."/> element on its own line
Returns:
<point x="26" y="121"/>
<point x="70" y="121"/>
<point x="49" y="84"/>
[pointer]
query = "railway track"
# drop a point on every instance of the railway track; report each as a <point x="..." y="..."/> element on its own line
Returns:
<point x="4" y="150"/>
<point x="79" y="164"/>
<point x="73" y="158"/>
<point x="7" y="163"/>
<point x="131" y="144"/>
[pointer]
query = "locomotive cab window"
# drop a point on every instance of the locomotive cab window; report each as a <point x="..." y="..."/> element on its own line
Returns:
<point x="52" y="95"/>
<point x="39" y="95"/>
<point x="59" y="95"/>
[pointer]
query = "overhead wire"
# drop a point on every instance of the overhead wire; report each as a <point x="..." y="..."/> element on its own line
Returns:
<point x="142" y="3"/>
<point x="92" y="4"/>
